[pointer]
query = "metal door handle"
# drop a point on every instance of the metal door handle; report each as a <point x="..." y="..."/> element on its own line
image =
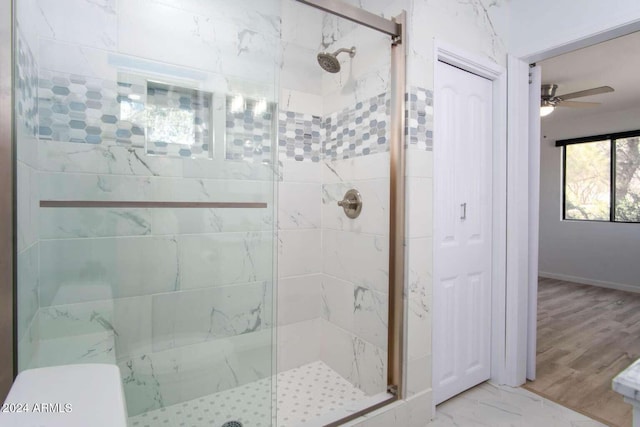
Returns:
<point x="463" y="215"/>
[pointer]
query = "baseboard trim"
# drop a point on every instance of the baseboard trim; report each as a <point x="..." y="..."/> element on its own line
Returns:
<point x="591" y="282"/>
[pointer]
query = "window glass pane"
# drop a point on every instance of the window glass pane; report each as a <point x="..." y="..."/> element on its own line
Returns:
<point x="628" y="180"/>
<point x="587" y="187"/>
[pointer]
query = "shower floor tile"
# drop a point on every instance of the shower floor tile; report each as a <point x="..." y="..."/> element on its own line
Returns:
<point x="303" y="394"/>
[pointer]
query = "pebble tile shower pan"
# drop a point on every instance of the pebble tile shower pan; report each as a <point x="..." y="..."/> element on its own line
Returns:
<point x="303" y="394"/>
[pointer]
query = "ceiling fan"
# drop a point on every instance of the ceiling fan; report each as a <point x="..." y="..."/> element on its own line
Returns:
<point x="550" y="100"/>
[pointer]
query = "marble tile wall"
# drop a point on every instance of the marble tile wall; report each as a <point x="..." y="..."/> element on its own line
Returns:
<point x="28" y="243"/>
<point x="355" y="271"/>
<point x="122" y="285"/>
<point x="299" y="263"/>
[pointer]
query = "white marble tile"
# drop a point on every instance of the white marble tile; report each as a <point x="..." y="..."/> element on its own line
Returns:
<point x="299" y="252"/>
<point x="375" y="166"/>
<point x="95" y="20"/>
<point x="227" y="169"/>
<point x="156" y="380"/>
<point x="210" y="190"/>
<point x="394" y="414"/>
<point x="298" y="344"/>
<point x="374" y="217"/>
<point x="338" y="301"/>
<point x="301" y="24"/>
<point x="362" y="312"/>
<point x="418" y="375"/>
<point x="300" y="101"/>
<point x="26" y="148"/>
<point x="299" y="298"/>
<point x="299" y="72"/>
<point x="191" y="317"/>
<point x="93" y="222"/>
<point x="362" y="363"/>
<point x="69" y="186"/>
<point x="159" y="32"/>
<point x="419" y="163"/>
<point x="419" y="319"/>
<point x="258" y="15"/>
<point x="206" y="221"/>
<point x="298" y="205"/>
<point x="27" y="288"/>
<point x="28" y="346"/>
<point x="419" y="207"/>
<point x="294" y="171"/>
<point x="126" y="266"/>
<point x="419" y="409"/>
<point x="359" y="258"/>
<point x="132" y="322"/>
<point x="155" y="31"/>
<point x="224" y="258"/>
<point x="74" y="58"/>
<point x="85" y="318"/>
<point x="496" y="406"/>
<point x="27" y="196"/>
<point x="89" y="348"/>
<point x="466" y="25"/>
<point x="70" y="157"/>
<point x="370" y="316"/>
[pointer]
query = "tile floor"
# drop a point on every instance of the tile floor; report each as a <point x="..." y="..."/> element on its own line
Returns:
<point x="304" y="394"/>
<point x="489" y="405"/>
<point x="316" y="390"/>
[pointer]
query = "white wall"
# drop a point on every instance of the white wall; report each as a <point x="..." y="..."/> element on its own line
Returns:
<point x="588" y="252"/>
<point x="536" y="26"/>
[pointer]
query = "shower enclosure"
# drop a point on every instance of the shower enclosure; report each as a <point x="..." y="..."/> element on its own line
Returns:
<point x="183" y="206"/>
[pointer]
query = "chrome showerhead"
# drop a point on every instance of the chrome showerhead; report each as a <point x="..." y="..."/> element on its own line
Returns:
<point x="329" y="61"/>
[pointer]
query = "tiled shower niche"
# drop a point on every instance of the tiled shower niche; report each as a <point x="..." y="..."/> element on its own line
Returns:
<point x="164" y="119"/>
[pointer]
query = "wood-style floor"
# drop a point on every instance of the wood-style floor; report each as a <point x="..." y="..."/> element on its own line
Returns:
<point x="586" y="336"/>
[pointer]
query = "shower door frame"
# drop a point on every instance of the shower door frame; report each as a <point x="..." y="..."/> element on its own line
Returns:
<point x="8" y="293"/>
<point x="397" y="29"/>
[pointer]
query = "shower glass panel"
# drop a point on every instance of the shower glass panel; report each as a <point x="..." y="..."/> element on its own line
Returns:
<point x="146" y="162"/>
<point x="333" y="287"/>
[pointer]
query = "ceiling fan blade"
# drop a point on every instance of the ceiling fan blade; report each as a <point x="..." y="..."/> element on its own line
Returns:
<point x="588" y="92"/>
<point x="576" y="104"/>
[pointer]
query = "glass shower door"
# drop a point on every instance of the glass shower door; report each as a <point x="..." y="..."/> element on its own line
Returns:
<point x="146" y="200"/>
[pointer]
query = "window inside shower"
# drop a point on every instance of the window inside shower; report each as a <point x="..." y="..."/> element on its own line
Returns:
<point x="179" y="168"/>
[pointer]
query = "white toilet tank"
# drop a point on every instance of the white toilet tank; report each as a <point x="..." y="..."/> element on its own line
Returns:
<point x="66" y="396"/>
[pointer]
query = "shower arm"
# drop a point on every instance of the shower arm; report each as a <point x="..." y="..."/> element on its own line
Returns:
<point x="351" y="52"/>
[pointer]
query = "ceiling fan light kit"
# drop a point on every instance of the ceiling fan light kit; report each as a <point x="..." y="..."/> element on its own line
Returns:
<point x="549" y="100"/>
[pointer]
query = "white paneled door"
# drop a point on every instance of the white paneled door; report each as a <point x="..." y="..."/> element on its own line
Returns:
<point x="462" y="231"/>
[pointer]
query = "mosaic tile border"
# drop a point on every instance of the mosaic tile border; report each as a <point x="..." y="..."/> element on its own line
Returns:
<point x="80" y="109"/>
<point x="419" y="119"/>
<point x="358" y="131"/>
<point x="300" y="136"/>
<point x="27" y="88"/>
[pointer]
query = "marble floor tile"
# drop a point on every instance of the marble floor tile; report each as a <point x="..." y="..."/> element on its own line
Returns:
<point x="498" y="406"/>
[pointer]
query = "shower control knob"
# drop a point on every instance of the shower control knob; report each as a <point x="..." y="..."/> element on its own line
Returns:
<point x="351" y="203"/>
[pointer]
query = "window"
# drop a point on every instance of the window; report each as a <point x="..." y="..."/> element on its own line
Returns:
<point x="602" y="177"/>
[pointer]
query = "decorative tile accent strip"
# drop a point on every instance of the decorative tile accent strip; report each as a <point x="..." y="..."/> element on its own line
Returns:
<point x="82" y="109"/>
<point x="89" y="110"/>
<point x="419" y="115"/>
<point x="249" y="131"/>
<point x="26" y="93"/>
<point x="358" y="131"/>
<point x="75" y="108"/>
<point x="300" y="136"/>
